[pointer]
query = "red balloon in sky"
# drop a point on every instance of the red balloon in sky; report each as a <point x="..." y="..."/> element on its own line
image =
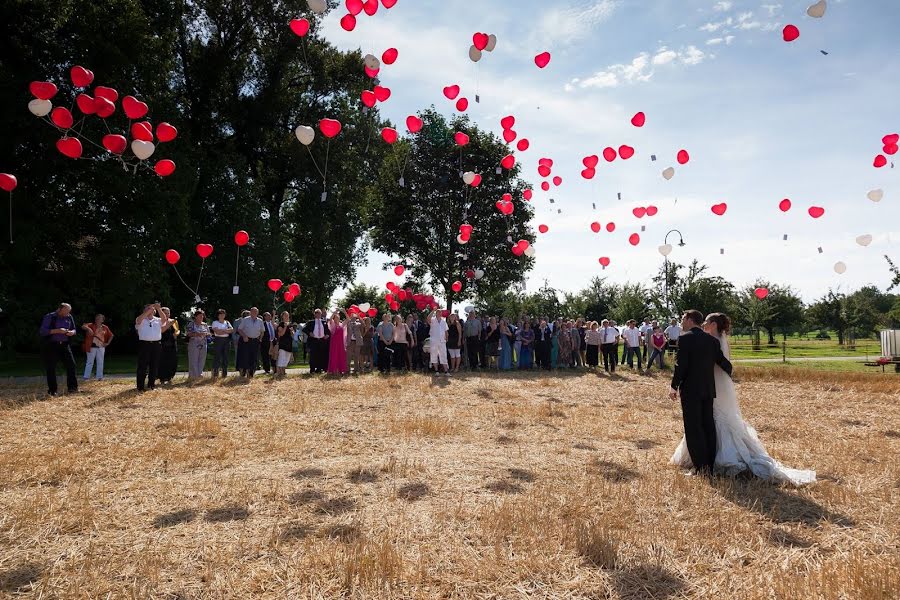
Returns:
<point x="651" y="211"/>
<point x="371" y="7"/>
<point x="241" y="238"/>
<point x="543" y="170"/>
<point x="134" y="108"/>
<point x="588" y="173"/>
<point x="591" y="162"/>
<point x="461" y="138"/>
<point x="165" y="167"/>
<point x="414" y="124"/>
<point x="204" y="250"/>
<point x="880" y="161"/>
<point x="294" y="288"/>
<point x="557" y="181"/>
<point x="508" y="162"/>
<point x="368" y="98"/>
<point x="784" y="205"/>
<point x="596" y="227"/>
<point x="634" y="239"/>
<point x="890" y="149"/>
<point x="300" y="27"/>
<point x="61" y="117"/>
<point x="389" y="135"/>
<point x="275" y="285"/>
<point x="545" y="186"/>
<point x="81" y="77"/>
<point x="508" y="122"/>
<point x="480" y="40"/>
<point x="790" y="33"/>
<point x="719" y="209"/>
<point x="604" y="261"/>
<point x="399" y="270"/>
<point x="451" y="92"/>
<point x="816" y="211"/>
<point x="509" y="136"/>
<point x="761" y="293"/>
<point x="8" y="182"/>
<point x="43" y="90"/>
<point x="543" y="228"/>
<point x="348" y="22"/>
<point x="626" y="152"/>
<point x="390" y="56"/>
<point x="462" y="105"/>
<point x="172" y="256"/>
<point x="639" y="119"/>
<point x="382" y="94"/>
<point x="523" y="145"/>
<point x="683" y="157"/>
<point x="610" y="227"/>
<point x="330" y="127"/>
<point x="890" y="139"/>
<point x="527" y="194"/>
<point x="542" y="59"/>
<point x="609" y="154"/>
<point x="457" y="286"/>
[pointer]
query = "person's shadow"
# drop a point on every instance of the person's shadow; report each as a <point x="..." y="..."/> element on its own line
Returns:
<point x="776" y="503"/>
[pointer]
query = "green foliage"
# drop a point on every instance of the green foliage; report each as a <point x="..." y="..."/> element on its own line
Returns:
<point x="688" y="287"/>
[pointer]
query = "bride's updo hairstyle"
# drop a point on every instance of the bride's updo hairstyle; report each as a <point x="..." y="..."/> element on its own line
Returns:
<point x="722" y="322"/>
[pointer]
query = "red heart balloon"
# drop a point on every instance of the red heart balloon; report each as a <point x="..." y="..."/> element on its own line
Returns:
<point x="371" y="7"/>
<point x="172" y="256"/>
<point x="816" y="211"/>
<point x="508" y="162"/>
<point x="542" y="59"/>
<point x="462" y="105"/>
<point x="300" y="27"/>
<point x="557" y="181"/>
<point x="761" y="293"/>
<point x="348" y="22"/>
<point x="591" y="162"/>
<point x="890" y="139"/>
<point x="527" y="194"/>
<point x="719" y="209"/>
<point x="142" y="131"/>
<point x="457" y="286"/>
<point x="509" y="136"/>
<point x="81" y="77"/>
<point x="784" y="205"/>
<point x="651" y="211"/>
<point x="69" y="146"/>
<point x="389" y="135"/>
<point x="451" y="92"/>
<point x="639" y="212"/>
<point x="8" y="182"/>
<point x="508" y="122"/>
<point x="480" y="40"/>
<point x="115" y="143"/>
<point x="461" y="138"/>
<point x="610" y="227"/>
<point x="399" y="270"/>
<point x="477" y="181"/>
<point x="890" y="149"/>
<point x="368" y="98"/>
<point x="545" y="186"/>
<point x="523" y="145"/>
<point x="294" y="288"/>
<point x="683" y="157"/>
<point x="466" y="229"/>
<point x="85" y="104"/>
<point x="790" y="33"/>
<point x="165" y="167"/>
<point x="134" y="108"/>
<point x="329" y="127"/>
<point x="389" y="56"/>
<point x="880" y="161"/>
<point x="103" y="107"/>
<point x="634" y="239"/>
<point x="289" y="297"/>
<point x="609" y="154"/>
<point x="414" y="124"/>
<point x="639" y="119"/>
<point x="165" y="132"/>
<point x="274" y="285"/>
<point x="61" y="117"/>
<point x="518" y="250"/>
<point x="507" y="197"/>
<point x="508" y="208"/>
<point x="204" y="250"/>
<point x="626" y="152"/>
<point x="547" y="162"/>
<point x="543" y="170"/>
<point x="42" y="90"/>
<point x="588" y="173"/>
<point x="241" y="238"/>
<point x="372" y="73"/>
<point x="106" y="92"/>
<point x="354" y="7"/>
<point x="596" y="227"/>
<point x="382" y="93"/>
<point x="543" y="228"/>
<point x="604" y="261"/>
<point x="388" y="4"/>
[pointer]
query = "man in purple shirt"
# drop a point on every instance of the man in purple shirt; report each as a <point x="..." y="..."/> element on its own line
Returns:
<point x="57" y="331"/>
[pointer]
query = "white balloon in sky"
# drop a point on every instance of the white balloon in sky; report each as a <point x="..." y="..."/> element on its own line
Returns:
<point x="468" y="177"/>
<point x="840" y="268"/>
<point x="372" y="62"/>
<point x="317" y="6"/>
<point x="143" y="150"/>
<point x="669" y="173"/>
<point x="460" y="240"/>
<point x="876" y="195"/>
<point x="817" y="10"/>
<point x="305" y="134"/>
<point x="864" y="240"/>
<point x="479" y="273"/>
<point x="365" y="306"/>
<point x="665" y="249"/>
<point x="529" y="251"/>
<point x="40" y="108"/>
<point x="492" y="43"/>
<point x="474" y="53"/>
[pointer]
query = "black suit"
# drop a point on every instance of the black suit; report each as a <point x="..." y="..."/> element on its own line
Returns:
<point x="318" y="348"/>
<point x="265" y="346"/>
<point x="694" y="377"/>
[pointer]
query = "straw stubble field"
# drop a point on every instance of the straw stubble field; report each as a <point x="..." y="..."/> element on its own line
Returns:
<point x="476" y="487"/>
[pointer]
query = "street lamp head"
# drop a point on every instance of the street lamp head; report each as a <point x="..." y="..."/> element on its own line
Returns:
<point x="681" y="243"/>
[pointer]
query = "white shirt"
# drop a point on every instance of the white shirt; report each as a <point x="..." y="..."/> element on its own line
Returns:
<point x="647" y="331"/>
<point x="150" y="329"/>
<point x="673" y="332"/>
<point x="438" y="331"/>
<point x="632" y="335"/>
<point x="221" y="327"/>
<point x="318" y="330"/>
<point x="608" y="335"/>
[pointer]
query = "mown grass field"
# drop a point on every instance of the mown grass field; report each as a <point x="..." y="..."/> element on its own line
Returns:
<point x="413" y="487"/>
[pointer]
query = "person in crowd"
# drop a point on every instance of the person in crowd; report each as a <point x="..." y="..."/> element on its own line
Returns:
<point x="197" y="332"/>
<point x="673" y="332"/>
<point x="337" y="352"/>
<point x="582" y="347"/>
<point x="400" y="343"/>
<point x="593" y="341"/>
<point x="574" y="359"/>
<point x="658" y="343"/>
<point x="554" y="344"/>
<point x="454" y="341"/>
<point x="385" y="340"/>
<point x="492" y="344"/>
<point x="56" y="331"/>
<point x="422" y="333"/>
<point x="251" y="332"/>
<point x="564" y="344"/>
<point x="168" y="354"/>
<point x="609" y="335"/>
<point x="268" y="346"/>
<point x="632" y="338"/>
<point x="646" y="330"/>
<point x="474" y="332"/>
<point x="317" y="336"/>
<point x="437" y="334"/>
<point x="526" y="339"/>
<point x="149" y="325"/>
<point x="97" y="336"/>
<point x="284" y="339"/>
<point x="507" y="339"/>
<point x="366" y="350"/>
<point x="615" y="348"/>
<point x="221" y="331"/>
<point x="517" y="344"/>
<point x="355" y="341"/>
<point x="543" y="344"/>
<point x="412" y="349"/>
<point x="236" y="337"/>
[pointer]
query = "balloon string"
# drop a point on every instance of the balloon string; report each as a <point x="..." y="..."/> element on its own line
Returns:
<point x="183" y="281"/>
<point x="325" y="176"/>
<point x="315" y="164"/>
<point x="202" y="263"/>
<point x="237" y="264"/>
<point x="10" y="219"/>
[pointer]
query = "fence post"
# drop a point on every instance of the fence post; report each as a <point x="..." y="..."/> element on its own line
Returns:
<point x="784" y="352"/>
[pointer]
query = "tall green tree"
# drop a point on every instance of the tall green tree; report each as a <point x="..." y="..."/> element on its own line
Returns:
<point x="682" y="287"/>
<point x="829" y="313"/>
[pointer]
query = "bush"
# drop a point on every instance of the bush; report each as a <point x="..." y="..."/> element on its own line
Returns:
<point x="823" y="335"/>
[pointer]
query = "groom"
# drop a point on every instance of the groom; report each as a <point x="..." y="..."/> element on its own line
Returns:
<point x="698" y="354"/>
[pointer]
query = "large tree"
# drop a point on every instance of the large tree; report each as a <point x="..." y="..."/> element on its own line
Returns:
<point x="678" y="288"/>
<point x="418" y="221"/>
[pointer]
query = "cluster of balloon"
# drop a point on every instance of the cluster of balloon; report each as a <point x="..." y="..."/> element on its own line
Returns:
<point x="102" y="105"/>
<point x="204" y="251"/>
<point x="889" y="147"/>
<point x="545" y="168"/>
<point x="289" y="295"/>
<point x="474" y="274"/>
<point x="472" y="179"/>
<point x="465" y="234"/>
<point x="8" y="183"/>
<point x="645" y="211"/>
<point x="481" y="43"/>
<point x="241" y="239"/>
<point x="354" y="9"/>
<point x="523" y="247"/>
<point x="597" y="227"/>
<point x="306" y="135"/>
<point x="505" y="205"/>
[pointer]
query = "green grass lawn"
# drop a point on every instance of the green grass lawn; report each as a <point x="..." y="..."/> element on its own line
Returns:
<point x="802" y="348"/>
<point x="841" y="366"/>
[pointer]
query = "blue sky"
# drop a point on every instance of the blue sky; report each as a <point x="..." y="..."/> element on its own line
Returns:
<point x="762" y="120"/>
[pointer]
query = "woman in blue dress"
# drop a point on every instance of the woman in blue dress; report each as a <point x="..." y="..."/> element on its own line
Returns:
<point x="505" y="362"/>
<point x="526" y="337"/>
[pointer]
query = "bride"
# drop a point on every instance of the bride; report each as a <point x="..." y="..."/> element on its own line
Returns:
<point x="738" y="447"/>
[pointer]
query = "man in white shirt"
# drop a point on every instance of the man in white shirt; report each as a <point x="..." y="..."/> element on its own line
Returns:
<point x="632" y="336"/>
<point x="251" y="332"/>
<point x="673" y="332"/>
<point x="317" y="335"/>
<point x="149" y="329"/>
<point x="609" y="335"/>
<point x="437" y="333"/>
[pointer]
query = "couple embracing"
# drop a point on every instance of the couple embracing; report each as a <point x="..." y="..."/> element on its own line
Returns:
<point x="716" y="437"/>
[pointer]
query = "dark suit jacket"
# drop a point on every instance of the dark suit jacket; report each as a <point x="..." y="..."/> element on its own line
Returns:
<point x="310" y="327"/>
<point x="266" y="340"/>
<point x="698" y="354"/>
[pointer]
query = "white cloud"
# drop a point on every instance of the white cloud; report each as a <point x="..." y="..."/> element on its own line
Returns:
<point x="772" y="9"/>
<point x="729" y="39"/>
<point x="747" y="25"/>
<point x="664" y="56"/>
<point x="640" y="69"/>
<point x="714" y="27"/>
<point x="723" y="6"/>
<point x="746" y="16"/>
<point x="692" y="56"/>
<point x="573" y="23"/>
<point x="715" y="41"/>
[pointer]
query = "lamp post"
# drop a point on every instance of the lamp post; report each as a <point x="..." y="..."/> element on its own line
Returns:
<point x="666" y="268"/>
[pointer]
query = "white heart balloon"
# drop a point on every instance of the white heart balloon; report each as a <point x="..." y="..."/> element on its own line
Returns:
<point x="468" y="177"/>
<point x="40" y="108"/>
<point x="817" y="10"/>
<point x="474" y="53"/>
<point x="492" y="43"/>
<point x="143" y="150"/>
<point x="876" y="195"/>
<point x="864" y="240"/>
<point x="469" y="309"/>
<point x="529" y="251"/>
<point x="479" y="273"/>
<point x="460" y="240"/>
<point x="840" y="268"/>
<point x="317" y="6"/>
<point x="665" y="249"/>
<point x="365" y="306"/>
<point x="669" y="173"/>
<point x="305" y="134"/>
<point x="372" y="62"/>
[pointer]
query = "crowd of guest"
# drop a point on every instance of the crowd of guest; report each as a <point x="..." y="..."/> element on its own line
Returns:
<point x="350" y="342"/>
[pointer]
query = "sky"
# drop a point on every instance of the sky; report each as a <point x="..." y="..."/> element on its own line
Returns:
<point x="762" y="120"/>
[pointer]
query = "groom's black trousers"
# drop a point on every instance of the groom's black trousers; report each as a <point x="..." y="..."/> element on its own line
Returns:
<point x="700" y="431"/>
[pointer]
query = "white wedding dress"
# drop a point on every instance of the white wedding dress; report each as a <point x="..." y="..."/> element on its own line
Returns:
<point x="737" y="445"/>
